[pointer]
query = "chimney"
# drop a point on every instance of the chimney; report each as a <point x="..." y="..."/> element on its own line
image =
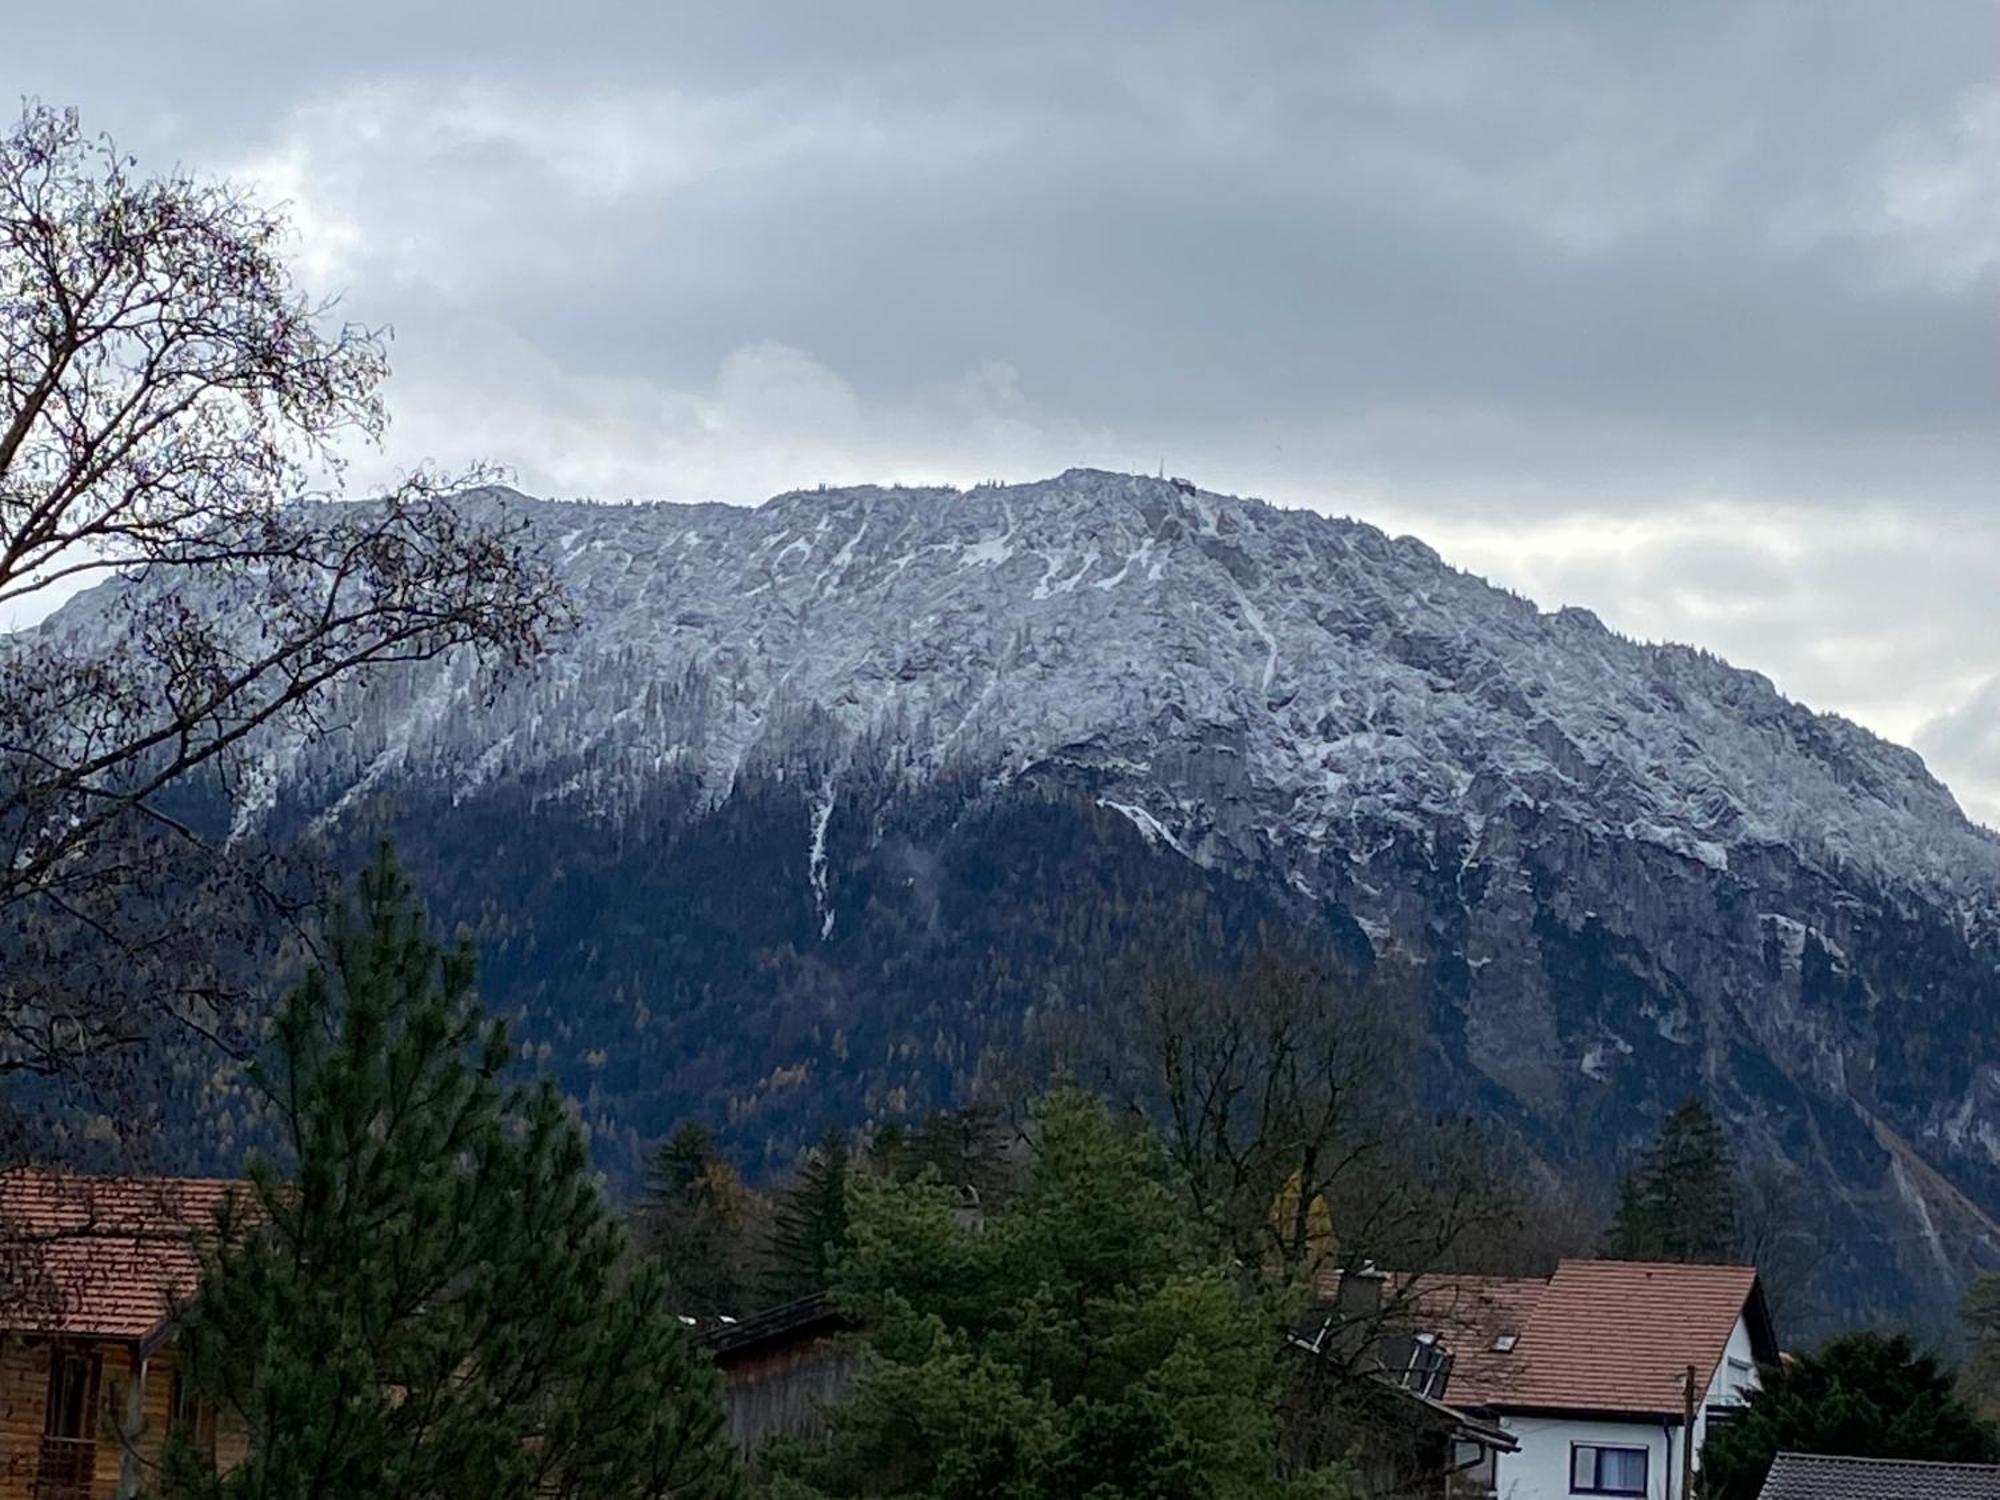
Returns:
<point x="1359" y="1296"/>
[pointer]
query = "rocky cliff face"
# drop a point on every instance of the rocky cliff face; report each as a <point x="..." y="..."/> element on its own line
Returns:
<point x="814" y="808"/>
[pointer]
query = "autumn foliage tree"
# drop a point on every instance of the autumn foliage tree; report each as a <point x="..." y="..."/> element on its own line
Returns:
<point x="174" y="413"/>
<point x="696" y="1217"/>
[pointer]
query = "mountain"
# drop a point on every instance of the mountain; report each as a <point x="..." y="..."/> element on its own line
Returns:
<point x="823" y="799"/>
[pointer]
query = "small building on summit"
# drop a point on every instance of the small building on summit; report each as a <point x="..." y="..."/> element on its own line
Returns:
<point x="91" y="1269"/>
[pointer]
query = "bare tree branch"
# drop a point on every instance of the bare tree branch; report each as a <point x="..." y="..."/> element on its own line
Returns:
<point x="171" y="415"/>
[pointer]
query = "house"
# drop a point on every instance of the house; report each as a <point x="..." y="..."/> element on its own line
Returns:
<point x="91" y="1269"/>
<point x="1609" y="1362"/>
<point x="782" y="1368"/>
<point x="1811" y="1476"/>
<point x="1593" y="1371"/>
<point x="1395" y="1423"/>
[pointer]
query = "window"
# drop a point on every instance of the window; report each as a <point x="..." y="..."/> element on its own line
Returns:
<point x="67" y="1463"/>
<point x="1594" y="1470"/>
<point x="1430" y="1366"/>
<point x="72" y="1408"/>
<point x="193" y="1418"/>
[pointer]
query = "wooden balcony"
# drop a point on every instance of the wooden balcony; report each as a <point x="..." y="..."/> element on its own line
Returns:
<point x="67" y="1469"/>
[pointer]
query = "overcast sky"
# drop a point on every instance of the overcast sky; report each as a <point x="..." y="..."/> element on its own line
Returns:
<point x="1682" y="312"/>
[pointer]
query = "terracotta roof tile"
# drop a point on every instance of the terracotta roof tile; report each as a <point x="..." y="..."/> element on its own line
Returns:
<point x="99" y="1257"/>
<point x="1801" y="1476"/>
<point x="1482" y="1320"/>
<point x="1611" y="1335"/>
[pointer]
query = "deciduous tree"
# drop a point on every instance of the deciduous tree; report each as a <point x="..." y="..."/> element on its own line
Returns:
<point x="1082" y="1340"/>
<point x="1979" y="1318"/>
<point x="174" y="414"/>
<point x="695" y="1217"/>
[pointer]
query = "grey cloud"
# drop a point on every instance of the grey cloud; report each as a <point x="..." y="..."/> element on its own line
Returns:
<point x="1965" y="744"/>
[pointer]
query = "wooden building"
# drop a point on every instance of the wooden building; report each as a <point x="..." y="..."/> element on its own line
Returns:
<point x="782" y="1368"/>
<point x="91" y="1269"/>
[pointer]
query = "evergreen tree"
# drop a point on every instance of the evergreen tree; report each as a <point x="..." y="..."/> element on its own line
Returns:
<point x="426" y="1299"/>
<point x="809" y="1224"/>
<point x="1078" y="1342"/>
<point x="1681" y="1204"/>
<point x="1863" y="1395"/>
<point x="694" y="1218"/>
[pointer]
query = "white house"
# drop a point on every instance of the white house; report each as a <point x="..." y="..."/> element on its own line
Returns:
<point x="1590" y="1371"/>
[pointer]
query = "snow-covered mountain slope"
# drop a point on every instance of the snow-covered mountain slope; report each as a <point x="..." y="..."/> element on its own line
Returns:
<point x="1634" y="871"/>
<point x="1111" y="618"/>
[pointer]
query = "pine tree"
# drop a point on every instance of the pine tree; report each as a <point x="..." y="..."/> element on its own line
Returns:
<point x="425" y="1298"/>
<point x="1681" y="1203"/>
<point x="809" y="1225"/>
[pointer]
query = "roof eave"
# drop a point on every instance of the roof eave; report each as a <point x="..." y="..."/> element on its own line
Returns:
<point x="1501" y="1409"/>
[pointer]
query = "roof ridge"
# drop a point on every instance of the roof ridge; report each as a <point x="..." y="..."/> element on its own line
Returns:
<point x="136" y="1179"/>
<point x="1650" y="1265"/>
<point x="1901" y="1463"/>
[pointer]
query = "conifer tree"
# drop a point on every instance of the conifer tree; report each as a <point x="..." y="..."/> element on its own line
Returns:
<point x="1681" y="1203"/>
<point x="809" y="1225"/>
<point x="1862" y="1395"/>
<point x="693" y="1218"/>
<point x="424" y="1297"/>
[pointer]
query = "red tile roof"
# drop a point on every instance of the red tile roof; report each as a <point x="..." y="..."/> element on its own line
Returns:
<point x="100" y="1257"/>
<point x="1613" y="1335"/>
<point x="1481" y="1320"/>
<point x="1599" y="1335"/>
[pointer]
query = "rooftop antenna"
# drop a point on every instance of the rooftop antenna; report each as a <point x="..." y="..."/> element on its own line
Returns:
<point x="1163" y="466"/>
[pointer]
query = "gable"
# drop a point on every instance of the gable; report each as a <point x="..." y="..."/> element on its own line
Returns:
<point x="1622" y="1336"/>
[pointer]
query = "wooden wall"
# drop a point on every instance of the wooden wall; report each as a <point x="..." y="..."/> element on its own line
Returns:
<point x="787" y="1391"/>
<point x="24" y="1386"/>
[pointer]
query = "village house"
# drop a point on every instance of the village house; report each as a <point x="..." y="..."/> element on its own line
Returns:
<point x="1606" y="1377"/>
<point x="1414" y="1444"/>
<point x="91" y="1269"/>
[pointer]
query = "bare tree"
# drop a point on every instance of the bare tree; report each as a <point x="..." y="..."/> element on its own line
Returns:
<point x="172" y="415"/>
<point x="1773" y="1234"/>
<point x="1287" y="1099"/>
